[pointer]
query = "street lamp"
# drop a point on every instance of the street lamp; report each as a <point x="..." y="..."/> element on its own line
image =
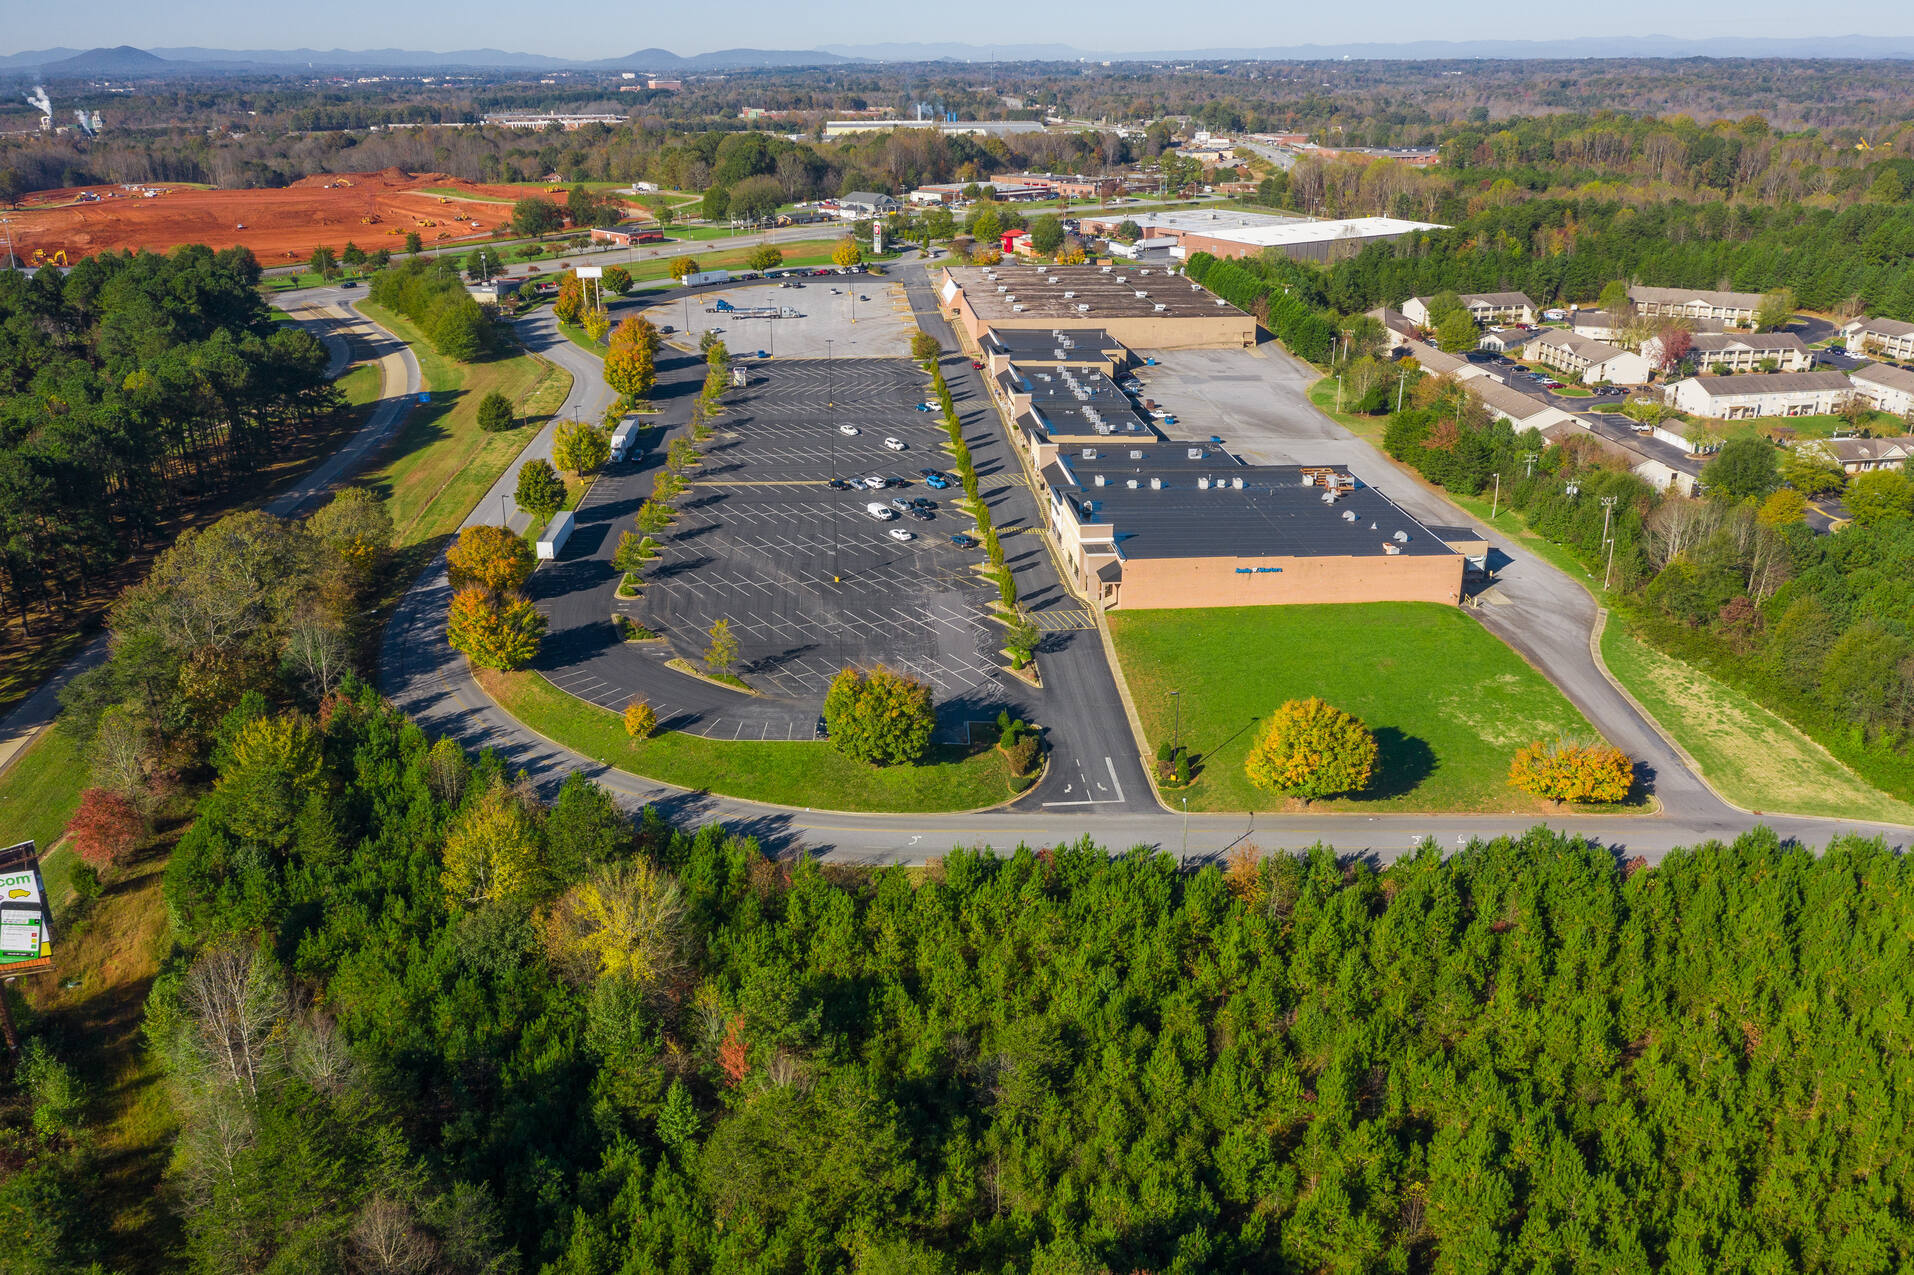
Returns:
<point x="1186" y="833"/>
<point x="1608" y="509"/>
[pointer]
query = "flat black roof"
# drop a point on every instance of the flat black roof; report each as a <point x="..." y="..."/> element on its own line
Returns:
<point x="1197" y="511"/>
<point x="1081" y="401"/>
<point x="1059" y="345"/>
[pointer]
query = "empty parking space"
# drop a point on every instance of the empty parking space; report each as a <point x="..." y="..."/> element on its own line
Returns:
<point x="809" y="580"/>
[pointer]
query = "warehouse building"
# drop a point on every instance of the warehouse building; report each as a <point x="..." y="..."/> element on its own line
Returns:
<point x="1175" y="224"/>
<point x="1734" y="398"/>
<point x="1091" y="347"/>
<point x="1174" y="525"/>
<point x="1307" y="240"/>
<point x="1141" y="308"/>
<point x="1065" y="409"/>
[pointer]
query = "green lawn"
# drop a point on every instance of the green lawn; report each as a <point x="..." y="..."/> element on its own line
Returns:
<point x="1323" y="395"/>
<point x="1823" y="426"/>
<point x="1574" y="391"/>
<point x="1448" y="701"/>
<point x="442" y="463"/>
<point x="360" y="384"/>
<point x="813" y="775"/>
<point x="38" y="794"/>
<point x="1753" y="757"/>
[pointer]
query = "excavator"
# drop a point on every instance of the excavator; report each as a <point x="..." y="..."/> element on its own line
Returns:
<point x="41" y="258"/>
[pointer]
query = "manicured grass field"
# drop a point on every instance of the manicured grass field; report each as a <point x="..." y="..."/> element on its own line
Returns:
<point x="1755" y="758"/>
<point x="1823" y="426"/>
<point x="442" y="462"/>
<point x="360" y="384"/>
<point x="1448" y="701"/>
<point x="813" y="775"/>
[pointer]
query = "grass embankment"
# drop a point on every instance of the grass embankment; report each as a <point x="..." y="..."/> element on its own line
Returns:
<point x="442" y="463"/>
<point x="1323" y="395"/>
<point x="810" y="774"/>
<point x="1448" y="701"/>
<point x="1822" y="426"/>
<point x="1752" y="756"/>
<point x="38" y="794"/>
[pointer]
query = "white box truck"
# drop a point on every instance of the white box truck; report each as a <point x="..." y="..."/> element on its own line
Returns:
<point x="557" y="532"/>
<point x="623" y="436"/>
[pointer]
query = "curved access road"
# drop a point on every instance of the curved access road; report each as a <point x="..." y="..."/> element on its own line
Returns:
<point x="432" y="684"/>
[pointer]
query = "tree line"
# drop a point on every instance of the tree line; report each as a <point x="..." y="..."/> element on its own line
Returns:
<point x="130" y="388"/>
<point x="418" y="1007"/>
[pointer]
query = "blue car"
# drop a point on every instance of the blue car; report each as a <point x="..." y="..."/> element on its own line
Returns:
<point x="937" y="481"/>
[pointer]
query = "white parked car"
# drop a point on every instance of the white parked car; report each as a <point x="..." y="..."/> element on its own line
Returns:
<point x="849" y="431"/>
<point x="898" y="533"/>
<point x="875" y="483"/>
<point x="895" y="444"/>
<point x="883" y="513"/>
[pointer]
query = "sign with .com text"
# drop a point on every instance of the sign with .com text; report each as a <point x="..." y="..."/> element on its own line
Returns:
<point x="26" y="930"/>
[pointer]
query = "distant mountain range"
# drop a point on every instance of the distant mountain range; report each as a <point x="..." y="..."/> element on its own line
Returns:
<point x="129" y="62"/>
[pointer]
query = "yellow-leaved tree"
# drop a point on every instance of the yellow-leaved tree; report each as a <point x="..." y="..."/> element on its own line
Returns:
<point x="492" y="852"/>
<point x="625" y="921"/>
<point x="1310" y="749"/>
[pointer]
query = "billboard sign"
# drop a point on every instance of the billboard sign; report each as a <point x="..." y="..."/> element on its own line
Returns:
<point x="591" y="272"/>
<point x="26" y="922"/>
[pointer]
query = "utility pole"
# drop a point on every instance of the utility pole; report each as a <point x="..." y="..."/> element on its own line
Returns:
<point x="1529" y="458"/>
<point x="1496" y="503"/>
<point x="1186" y="833"/>
<point x="1608" y="510"/>
<point x="1176" y="732"/>
<point x="1401" y="380"/>
<point x="1339" y="391"/>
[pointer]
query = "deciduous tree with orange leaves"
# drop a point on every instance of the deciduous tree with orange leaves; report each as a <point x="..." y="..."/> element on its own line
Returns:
<point x="1565" y="771"/>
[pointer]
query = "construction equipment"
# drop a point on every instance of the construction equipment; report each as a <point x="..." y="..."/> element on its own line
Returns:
<point x="1862" y="145"/>
<point x="371" y="219"/>
<point x="57" y="258"/>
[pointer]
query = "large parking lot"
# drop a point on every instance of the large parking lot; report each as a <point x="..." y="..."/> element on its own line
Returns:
<point x="858" y="315"/>
<point x="809" y="580"/>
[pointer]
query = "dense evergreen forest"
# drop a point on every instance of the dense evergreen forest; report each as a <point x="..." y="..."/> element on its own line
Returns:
<point x="420" y="1019"/>
<point x="130" y="388"/>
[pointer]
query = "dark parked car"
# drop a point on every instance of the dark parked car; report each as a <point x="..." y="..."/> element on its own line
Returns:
<point x="963" y="542"/>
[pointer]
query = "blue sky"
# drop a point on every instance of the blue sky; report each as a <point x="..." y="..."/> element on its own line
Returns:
<point x="604" y="30"/>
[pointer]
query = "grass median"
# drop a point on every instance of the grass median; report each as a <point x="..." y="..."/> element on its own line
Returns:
<point x="809" y="774"/>
<point x="1753" y="757"/>
<point x="1449" y="702"/>
<point x="442" y="463"/>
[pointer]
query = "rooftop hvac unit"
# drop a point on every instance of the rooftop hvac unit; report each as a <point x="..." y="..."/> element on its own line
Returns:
<point x="1136" y="455"/>
<point x="1068" y="343"/>
<point x="1195" y="453"/>
<point x="1237" y="483"/>
<point x="1121" y="279"/>
<point x="1130" y="483"/>
<point x="1329" y="498"/>
<point x="1089" y="453"/>
<point x="1141" y="293"/>
<point x="1349" y="515"/>
<point x="1160" y="307"/>
<point x="1143" y="272"/>
<point x="1106" y="270"/>
<point x="1017" y="309"/>
<point x="1057" y="354"/>
<point x="1067" y="294"/>
<point x="1372" y="526"/>
<point x="1203" y="484"/>
<point x="1391" y="548"/>
<point x="1099" y="480"/>
<point x="1402" y="537"/>
<point x="1003" y="287"/>
<point x="1156" y="484"/>
<point x="1082" y="308"/>
<point x="1220" y="301"/>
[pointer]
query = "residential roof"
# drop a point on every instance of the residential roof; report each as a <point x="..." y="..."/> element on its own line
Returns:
<point x="1595" y="319"/>
<point x="1084" y="294"/>
<point x="1886" y="374"/>
<point x="1882" y="327"/>
<point x="1498" y="298"/>
<point x="1509" y="337"/>
<point x="1273" y="514"/>
<point x="1395" y="320"/>
<point x="1715" y="342"/>
<point x="1434" y="361"/>
<point x="1506" y="400"/>
<point x="1854" y="451"/>
<point x="1771" y="383"/>
<point x="1679" y="296"/>
<point x="1057" y="345"/>
<point x="1575" y="343"/>
<point x="871" y="197"/>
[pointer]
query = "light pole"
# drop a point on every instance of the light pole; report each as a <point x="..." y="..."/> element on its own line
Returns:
<point x="1496" y="502"/>
<point x="1186" y="833"/>
<point x="504" y="516"/>
<point x="1339" y="391"/>
<point x="1176" y="731"/>
<point x="1608" y="509"/>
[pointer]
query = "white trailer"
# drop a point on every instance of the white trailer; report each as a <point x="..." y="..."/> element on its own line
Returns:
<point x="557" y="532"/>
<point x="697" y="277"/>
<point x="623" y="437"/>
